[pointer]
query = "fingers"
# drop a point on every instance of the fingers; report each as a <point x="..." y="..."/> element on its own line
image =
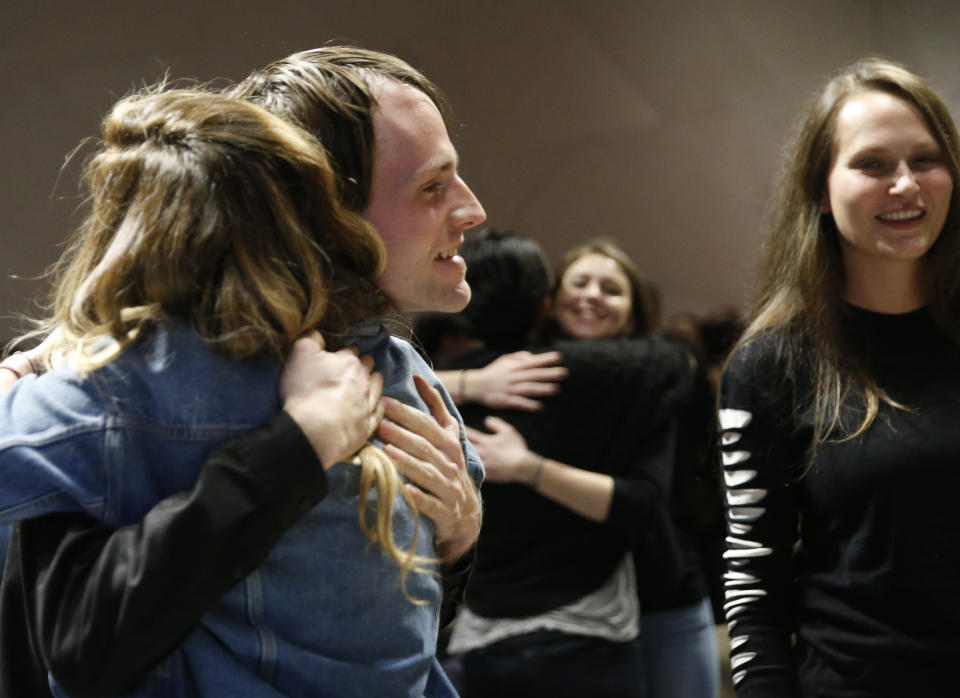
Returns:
<point x="431" y="396"/>
<point x="432" y="507"/>
<point x="476" y="436"/>
<point x="546" y="375"/>
<point x="536" y="389"/>
<point x="547" y="358"/>
<point x="414" y="420"/>
<point x="367" y="361"/>
<point x="497" y="425"/>
<point x="518" y="402"/>
<point x="315" y="340"/>
<point x="422" y="473"/>
<point x="375" y="400"/>
<point x="413" y="444"/>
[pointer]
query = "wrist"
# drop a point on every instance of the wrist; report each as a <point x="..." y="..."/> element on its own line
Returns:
<point x="534" y="465"/>
<point x="17" y="365"/>
<point x="306" y="420"/>
<point x="463" y="538"/>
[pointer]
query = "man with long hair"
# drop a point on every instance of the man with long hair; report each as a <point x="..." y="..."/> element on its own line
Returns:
<point x="90" y="595"/>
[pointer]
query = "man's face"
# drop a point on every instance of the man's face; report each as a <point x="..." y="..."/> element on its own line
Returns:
<point x="418" y="203"/>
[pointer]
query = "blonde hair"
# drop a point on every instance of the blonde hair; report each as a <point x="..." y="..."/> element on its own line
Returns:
<point x="214" y="211"/>
<point x="800" y="281"/>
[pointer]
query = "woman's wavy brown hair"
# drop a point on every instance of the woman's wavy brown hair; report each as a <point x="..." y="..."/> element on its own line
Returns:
<point x="216" y="212"/>
<point x="799" y="291"/>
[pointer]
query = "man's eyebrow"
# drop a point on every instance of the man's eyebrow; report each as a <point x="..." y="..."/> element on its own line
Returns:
<point x="435" y="166"/>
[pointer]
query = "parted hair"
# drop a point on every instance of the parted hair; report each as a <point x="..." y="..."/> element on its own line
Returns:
<point x="799" y="289"/>
<point x="331" y="92"/>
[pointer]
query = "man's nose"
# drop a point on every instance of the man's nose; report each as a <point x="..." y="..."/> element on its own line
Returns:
<point x="469" y="211"/>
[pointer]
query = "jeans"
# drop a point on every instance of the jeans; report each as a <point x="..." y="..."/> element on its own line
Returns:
<point x="680" y="652"/>
<point x="554" y="665"/>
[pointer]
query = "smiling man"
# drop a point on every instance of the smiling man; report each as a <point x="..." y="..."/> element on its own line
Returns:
<point x="103" y="607"/>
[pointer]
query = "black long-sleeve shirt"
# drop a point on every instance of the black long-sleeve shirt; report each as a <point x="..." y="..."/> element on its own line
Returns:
<point x="614" y="415"/>
<point x="844" y="570"/>
<point x="99" y="607"/>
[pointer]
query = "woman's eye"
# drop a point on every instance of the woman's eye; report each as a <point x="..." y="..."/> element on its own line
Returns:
<point x="928" y="160"/>
<point x="435" y="188"/>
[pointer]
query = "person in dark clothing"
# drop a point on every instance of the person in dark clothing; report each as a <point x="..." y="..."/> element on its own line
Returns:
<point x="553" y="593"/>
<point x="599" y="294"/>
<point x="839" y="408"/>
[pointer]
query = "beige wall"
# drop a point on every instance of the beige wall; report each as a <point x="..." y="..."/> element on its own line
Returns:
<point x="656" y="123"/>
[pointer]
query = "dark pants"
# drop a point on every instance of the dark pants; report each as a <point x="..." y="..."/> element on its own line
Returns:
<point x="554" y="665"/>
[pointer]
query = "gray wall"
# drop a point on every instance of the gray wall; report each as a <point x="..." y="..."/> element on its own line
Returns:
<point x="658" y="123"/>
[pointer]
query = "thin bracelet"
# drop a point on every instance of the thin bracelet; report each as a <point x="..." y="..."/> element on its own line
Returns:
<point x="463" y="386"/>
<point x="13" y="371"/>
<point x="33" y="366"/>
<point x="535" y="480"/>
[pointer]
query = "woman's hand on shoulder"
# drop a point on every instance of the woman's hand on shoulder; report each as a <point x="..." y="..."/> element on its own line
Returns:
<point x="334" y="397"/>
<point x="515" y="380"/>
<point x="504" y="452"/>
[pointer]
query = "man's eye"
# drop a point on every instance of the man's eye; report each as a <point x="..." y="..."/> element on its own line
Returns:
<point x="435" y="188"/>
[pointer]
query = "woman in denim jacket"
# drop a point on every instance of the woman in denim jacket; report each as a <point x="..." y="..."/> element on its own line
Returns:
<point x="214" y="240"/>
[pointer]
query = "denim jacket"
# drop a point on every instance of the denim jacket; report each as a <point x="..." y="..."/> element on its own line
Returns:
<point x="324" y="615"/>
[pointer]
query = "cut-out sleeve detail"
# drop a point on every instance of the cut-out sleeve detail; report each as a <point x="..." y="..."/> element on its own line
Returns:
<point x="761" y="526"/>
<point x="735" y="478"/>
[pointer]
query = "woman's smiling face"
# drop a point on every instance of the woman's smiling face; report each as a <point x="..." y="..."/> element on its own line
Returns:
<point x="889" y="187"/>
<point x="594" y="299"/>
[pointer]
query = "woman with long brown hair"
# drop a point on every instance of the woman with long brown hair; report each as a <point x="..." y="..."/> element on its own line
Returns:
<point x="840" y="404"/>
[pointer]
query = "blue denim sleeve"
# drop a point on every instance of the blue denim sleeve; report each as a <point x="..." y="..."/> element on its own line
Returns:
<point x="52" y="431"/>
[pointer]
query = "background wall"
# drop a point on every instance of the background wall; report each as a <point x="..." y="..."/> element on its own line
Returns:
<point x="656" y="122"/>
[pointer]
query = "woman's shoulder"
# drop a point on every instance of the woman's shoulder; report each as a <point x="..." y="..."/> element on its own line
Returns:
<point x="638" y="354"/>
<point x="763" y="369"/>
<point x="635" y="369"/>
<point x="759" y="355"/>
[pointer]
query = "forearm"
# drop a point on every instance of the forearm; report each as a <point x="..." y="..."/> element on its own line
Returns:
<point x="585" y="492"/>
<point x="13" y="368"/>
<point x="760" y="449"/>
<point x="455" y="383"/>
<point x="110" y="604"/>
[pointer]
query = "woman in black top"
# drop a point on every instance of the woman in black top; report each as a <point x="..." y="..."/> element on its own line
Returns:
<point x="840" y="406"/>
<point x="578" y="466"/>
